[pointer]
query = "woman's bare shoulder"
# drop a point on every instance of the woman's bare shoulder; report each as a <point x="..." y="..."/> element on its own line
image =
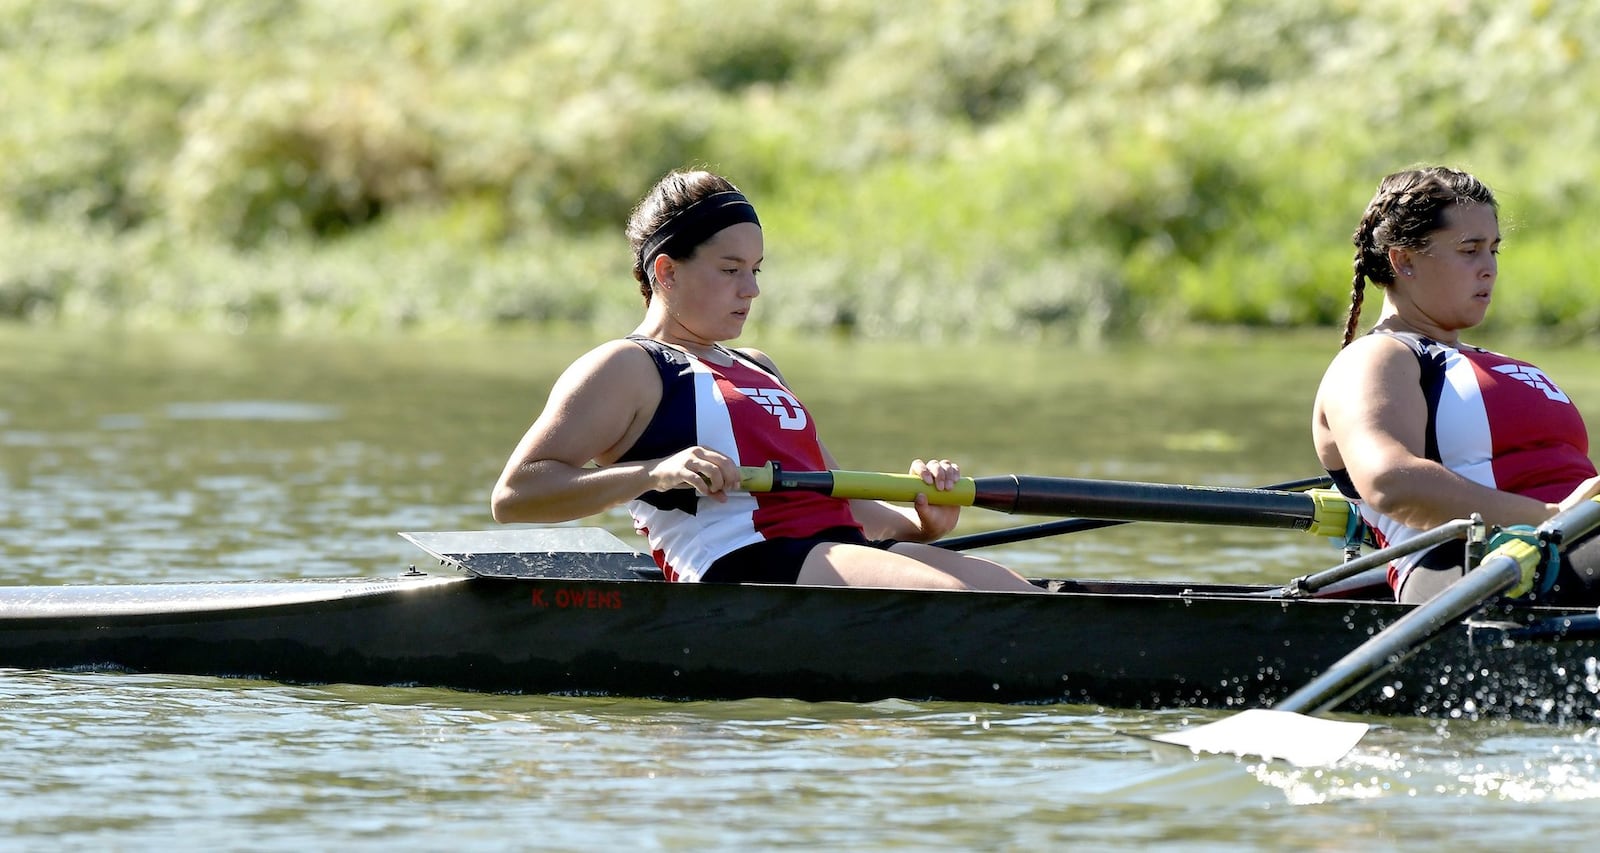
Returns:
<point x="760" y="358"/>
<point x="620" y="353"/>
<point x="1373" y="354"/>
<point x="613" y="369"/>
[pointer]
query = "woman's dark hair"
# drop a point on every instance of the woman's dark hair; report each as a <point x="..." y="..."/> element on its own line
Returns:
<point x="1408" y="207"/>
<point x="669" y="197"/>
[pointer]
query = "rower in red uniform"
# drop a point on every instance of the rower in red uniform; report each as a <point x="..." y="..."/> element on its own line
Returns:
<point x="662" y="419"/>
<point x="1421" y="428"/>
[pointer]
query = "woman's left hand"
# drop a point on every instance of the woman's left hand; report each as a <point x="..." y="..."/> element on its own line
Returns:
<point x="936" y="520"/>
<point x="1586" y="490"/>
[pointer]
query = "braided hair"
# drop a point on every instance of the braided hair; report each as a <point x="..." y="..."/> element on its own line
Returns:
<point x="1408" y="207"/>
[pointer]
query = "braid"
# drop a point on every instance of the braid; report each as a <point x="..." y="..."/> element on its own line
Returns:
<point x="1408" y="207"/>
<point x="1358" y="289"/>
<point x="1363" y="239"/>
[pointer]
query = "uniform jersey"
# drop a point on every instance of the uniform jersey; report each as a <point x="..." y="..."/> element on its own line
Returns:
<point x="746" y="413"/>
<point x="1493" y="420"/>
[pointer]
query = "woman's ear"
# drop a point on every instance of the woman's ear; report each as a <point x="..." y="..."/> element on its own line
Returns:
<point x="663" y="269"/>
<point x="1400" y="259"/>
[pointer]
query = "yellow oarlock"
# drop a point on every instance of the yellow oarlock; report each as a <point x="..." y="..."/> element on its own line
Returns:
<point x="1521" y="543"/>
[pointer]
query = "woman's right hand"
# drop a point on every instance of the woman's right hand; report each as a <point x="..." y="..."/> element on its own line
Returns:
<point x="700" y="468"/>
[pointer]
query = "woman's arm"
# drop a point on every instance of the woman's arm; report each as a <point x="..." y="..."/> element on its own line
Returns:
<point x="1372" y="407"/>
<point x="595" y="412"/>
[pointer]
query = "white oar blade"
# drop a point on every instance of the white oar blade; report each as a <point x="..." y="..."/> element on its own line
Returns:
<point x="1296" y="738"/>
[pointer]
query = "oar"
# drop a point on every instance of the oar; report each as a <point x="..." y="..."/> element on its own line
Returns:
<point x="1323" y="513"/>
<point x="1285" y="732"/>
<point x="1307" y="585"/>
<point x="1064" y="526"/>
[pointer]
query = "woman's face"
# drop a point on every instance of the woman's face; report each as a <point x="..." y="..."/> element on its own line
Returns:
<point x="1450" y="281"/>
<point x="709" y="294"/>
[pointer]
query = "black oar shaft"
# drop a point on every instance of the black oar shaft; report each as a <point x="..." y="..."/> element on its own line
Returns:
<point x="1147" y="501"/>
<point x="1024" y="533"/>
<point x="1078" y="525"/>
<point x="1323" y="513"/>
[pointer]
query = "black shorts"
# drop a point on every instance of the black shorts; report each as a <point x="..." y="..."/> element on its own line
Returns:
<point x="779" y="560"/>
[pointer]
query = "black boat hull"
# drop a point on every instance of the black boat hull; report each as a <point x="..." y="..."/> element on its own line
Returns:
<point x="1136" y="645"/>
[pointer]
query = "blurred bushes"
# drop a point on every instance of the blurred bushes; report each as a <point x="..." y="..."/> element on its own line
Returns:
<point x="290" y="158"/>
<point x="1067" y="168"/>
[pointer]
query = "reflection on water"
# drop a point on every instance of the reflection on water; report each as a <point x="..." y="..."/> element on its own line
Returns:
<point x="136" y="458"/>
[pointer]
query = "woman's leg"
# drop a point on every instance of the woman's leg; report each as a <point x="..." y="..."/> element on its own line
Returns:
<point x="1438" y="568"/>
<point x="908" y="566"/>
<point x="975" y="572"/>
<point x="1425" y="582"/>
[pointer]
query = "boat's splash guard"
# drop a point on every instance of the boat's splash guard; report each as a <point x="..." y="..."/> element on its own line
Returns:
<point x="587" y="553"/>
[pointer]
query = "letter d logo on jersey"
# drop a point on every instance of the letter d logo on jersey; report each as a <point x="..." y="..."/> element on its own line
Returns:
<point x="1534" y="378"/>
<point x="780" y="404"/>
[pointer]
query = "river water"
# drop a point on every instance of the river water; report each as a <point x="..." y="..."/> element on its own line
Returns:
<point x="131" y="457"/>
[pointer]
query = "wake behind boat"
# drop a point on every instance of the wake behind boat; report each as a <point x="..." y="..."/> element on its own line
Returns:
<point x="577" y="611"/>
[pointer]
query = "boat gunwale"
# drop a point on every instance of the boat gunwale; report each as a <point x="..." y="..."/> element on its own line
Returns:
<point x="89" y="601"/>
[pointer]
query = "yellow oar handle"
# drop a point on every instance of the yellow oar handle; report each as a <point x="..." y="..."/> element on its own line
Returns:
<point x="756" y="479"/>
<point x="1331" y="513"/>
<point x="852" y="485"/>
<point x="900" y="487"/>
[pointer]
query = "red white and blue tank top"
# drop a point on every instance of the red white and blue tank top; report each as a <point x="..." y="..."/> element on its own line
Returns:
<point x="1496" y="421"/>
<point x="745" y="412"/>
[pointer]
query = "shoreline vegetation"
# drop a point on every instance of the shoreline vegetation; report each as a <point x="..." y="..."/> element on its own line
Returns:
<point x="1071" y="170"/>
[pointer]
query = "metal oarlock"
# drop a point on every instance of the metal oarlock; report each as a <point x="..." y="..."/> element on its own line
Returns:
<point x="1477" y="542"/>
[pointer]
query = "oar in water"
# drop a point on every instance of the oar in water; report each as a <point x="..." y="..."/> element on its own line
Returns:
<point x="1286" y="732"/>
<point x="1062" y="526"/>
<point x="1323" y="513"/>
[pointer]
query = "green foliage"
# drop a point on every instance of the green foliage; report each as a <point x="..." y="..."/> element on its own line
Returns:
<point x="287" y="158"/>
<point x="1052" y="168"/>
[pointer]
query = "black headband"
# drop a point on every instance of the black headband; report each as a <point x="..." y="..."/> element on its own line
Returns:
<point x="696" y="224"/>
